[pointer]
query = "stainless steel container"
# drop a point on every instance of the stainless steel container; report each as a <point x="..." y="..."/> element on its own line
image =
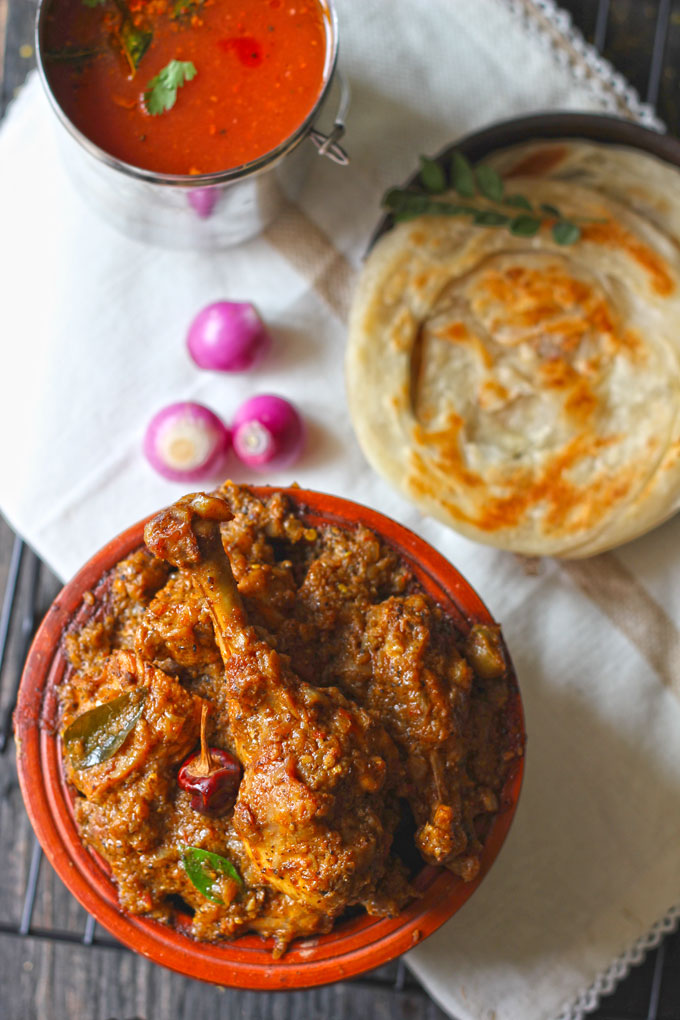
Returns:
<point x="205" y="211"/>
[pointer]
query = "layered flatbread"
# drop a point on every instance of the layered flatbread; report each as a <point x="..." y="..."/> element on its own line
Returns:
<point x="524" y="392"/>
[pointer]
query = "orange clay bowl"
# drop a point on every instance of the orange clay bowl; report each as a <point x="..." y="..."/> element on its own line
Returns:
<point x="354" y="945"/>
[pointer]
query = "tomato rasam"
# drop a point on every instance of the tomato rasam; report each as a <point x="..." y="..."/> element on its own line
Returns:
<point x="186" y="86"/>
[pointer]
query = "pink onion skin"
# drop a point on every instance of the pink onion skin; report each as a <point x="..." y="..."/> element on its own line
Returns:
<point x="267" y="433"/>
<point x="228" y="336"/>
<point x="202" y="201"/>
<point x="186" y="422"/>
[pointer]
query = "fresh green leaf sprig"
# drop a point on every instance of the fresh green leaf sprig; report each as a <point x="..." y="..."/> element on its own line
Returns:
<point x="512" y="211"/>
<point x="161" y="92"/>
<point x="204" y="870"/>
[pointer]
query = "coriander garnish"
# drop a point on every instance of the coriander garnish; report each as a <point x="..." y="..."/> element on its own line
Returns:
<point x="477" y="182"/>
<point x="161" y="92"/>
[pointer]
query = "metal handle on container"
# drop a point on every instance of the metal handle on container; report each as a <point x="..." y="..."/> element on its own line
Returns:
<point x="328" y="145"/>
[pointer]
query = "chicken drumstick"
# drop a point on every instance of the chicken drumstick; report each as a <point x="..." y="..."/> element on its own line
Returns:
<point x="316" y="808"/>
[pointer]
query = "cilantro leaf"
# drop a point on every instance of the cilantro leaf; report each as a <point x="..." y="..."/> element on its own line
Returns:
<point x="161" y="92"/>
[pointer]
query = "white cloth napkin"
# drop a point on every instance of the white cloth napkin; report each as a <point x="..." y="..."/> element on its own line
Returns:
<point x="93" y="328"/>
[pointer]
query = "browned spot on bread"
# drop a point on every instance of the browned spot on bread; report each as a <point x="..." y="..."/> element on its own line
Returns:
<point x="454" y="331"/>
<point x="445" y="446"/>
<point x="551" y="309"/>
<point x="491" y="392"/>
<point x="542" y="161"/>
<point x="615" y="236"/>
<point x="567" y="506"/>
<point x="534" y="297"/>
<point x="458" y="333"/>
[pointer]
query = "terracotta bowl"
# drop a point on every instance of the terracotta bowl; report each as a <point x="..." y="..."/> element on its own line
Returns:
<point x="354" y="945"/>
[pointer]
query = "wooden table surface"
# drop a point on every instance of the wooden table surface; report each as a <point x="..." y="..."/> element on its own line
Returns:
<point x="42" y="979"/>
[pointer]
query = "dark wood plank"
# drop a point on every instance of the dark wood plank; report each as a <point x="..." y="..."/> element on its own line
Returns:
<point x="43" y="979"/>
<point x="628" y="45"/>
<point x="18" y="19"/>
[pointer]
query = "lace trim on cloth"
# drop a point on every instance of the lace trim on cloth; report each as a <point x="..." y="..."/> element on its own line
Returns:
<point x="552" y="28"/>
<point x="605" y="983"/>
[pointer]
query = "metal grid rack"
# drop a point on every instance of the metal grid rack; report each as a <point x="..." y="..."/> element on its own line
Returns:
<point x="642" y="38"/>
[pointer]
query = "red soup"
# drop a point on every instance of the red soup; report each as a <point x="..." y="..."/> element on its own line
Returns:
<point x="186" y="86"/>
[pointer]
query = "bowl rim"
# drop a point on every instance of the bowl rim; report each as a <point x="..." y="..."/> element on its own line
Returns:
<point x="554" y="126"/>
<point x="252" y="168"/>
<point x="353" y="946"/>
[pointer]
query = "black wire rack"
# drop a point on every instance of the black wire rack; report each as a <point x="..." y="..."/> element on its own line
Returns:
<point x="643" y="40"/>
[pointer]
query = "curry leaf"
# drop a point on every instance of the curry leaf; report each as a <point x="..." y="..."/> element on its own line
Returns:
<point x="519" y="201"/>
<point x="452" y="209"/>
<point x="407" y="204"/>
<point x="462" y="175"/>
<point x="71" y="55"/>
<point x="565" y="232"/>
<point x="404" y="215"/>
<point x="551" y="210"/>
<point x="525" y="226"/>
<point x="97" y="734"/>
<point x="161" y="92"/>
<point x="94" y="3"/>
<point x="412" y="202"/>
<point x="396" y="197"/>
<point x="135" y="42"/>
<point x="490" y="218"/>
<point x="204" y="868"/>
<point x="432" y="175"/>
<point x="490" y="183"/>
<point x="422" y="198"/>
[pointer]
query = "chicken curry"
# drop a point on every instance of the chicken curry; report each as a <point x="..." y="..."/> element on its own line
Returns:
<point x="267" y="724"/>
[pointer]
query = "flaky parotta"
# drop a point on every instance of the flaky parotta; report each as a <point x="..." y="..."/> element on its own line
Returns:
<point x="527" y="393"/>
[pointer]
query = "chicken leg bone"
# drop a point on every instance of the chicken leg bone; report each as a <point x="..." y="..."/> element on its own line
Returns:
<point x="316" y="808"/>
